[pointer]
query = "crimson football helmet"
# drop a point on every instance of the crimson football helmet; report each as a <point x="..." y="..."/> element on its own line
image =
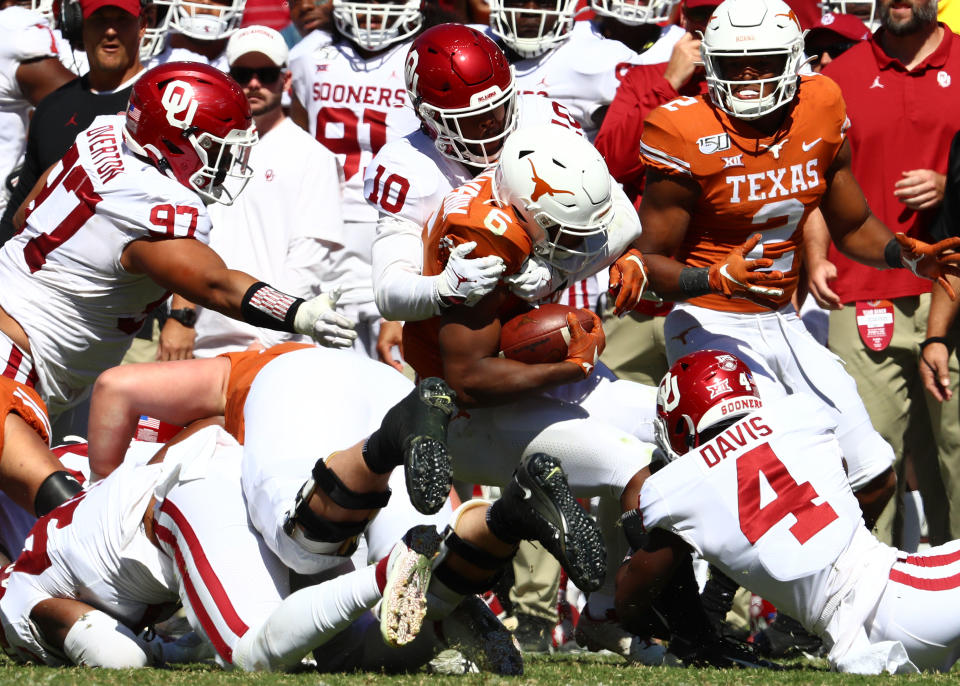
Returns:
<point x="463" y="91"/>
<point x="701" y="390"/>
<point x="194" y="123"/>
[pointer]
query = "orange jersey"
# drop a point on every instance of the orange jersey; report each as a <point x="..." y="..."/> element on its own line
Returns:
<point x="244" y="367"/>
<point x="19" y="399"/>
<point x="748" y="184"/>
<point x="468" y="213"/>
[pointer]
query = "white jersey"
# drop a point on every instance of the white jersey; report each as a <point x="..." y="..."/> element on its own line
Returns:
<point x="582" y="73"/>
<point x="24" y="35"/>
<point x="282" y="228"/>
<point x="169" y="54"/>
<point x="768" y="502"/>
<point x="63" y="281"/>
<point x="406" y="182"/>
<point x="93" y="549"/>
<point x="354" y="107"/>
<point x="314" y="40"/>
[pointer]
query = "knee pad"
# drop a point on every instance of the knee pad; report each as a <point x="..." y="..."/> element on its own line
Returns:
<point x="323" y="536"/>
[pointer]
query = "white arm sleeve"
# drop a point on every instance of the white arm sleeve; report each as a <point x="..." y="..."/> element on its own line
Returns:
<point x="99" y="640"/>
<point x="399" y="290"/>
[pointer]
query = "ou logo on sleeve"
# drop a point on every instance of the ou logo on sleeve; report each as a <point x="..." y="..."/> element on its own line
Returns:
<point x="178" y="99"/>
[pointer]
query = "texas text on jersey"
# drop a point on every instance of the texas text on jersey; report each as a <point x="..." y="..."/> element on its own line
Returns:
<point x="748" y="184"/>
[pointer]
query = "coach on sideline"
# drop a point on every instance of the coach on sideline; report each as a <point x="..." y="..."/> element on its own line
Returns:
<point x="111" y="31"/>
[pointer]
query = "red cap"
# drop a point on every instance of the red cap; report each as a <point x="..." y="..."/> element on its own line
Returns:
<point x="90" y="6"/>
<point x="691" y="4"/>
<point x="846" y="25"/>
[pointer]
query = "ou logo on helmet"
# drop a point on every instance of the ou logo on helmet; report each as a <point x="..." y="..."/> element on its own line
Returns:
<point x="177" y="99"/>
<point x="668" y="395"/>
<point x="410" y="71"/>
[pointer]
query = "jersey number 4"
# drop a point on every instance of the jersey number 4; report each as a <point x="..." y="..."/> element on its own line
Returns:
<point x="791" y="498"/>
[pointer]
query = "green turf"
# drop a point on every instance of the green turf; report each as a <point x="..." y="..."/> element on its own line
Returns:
<point x="563" y="670"/>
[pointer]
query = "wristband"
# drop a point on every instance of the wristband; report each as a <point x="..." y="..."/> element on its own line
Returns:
<point x="694" y="282"/>
<point x="264" y="306"/>
<point x="893" y="254"/>
<point x="934" y="339"/>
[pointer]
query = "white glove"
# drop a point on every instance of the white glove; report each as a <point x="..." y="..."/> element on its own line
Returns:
<point x="466" y="280"/>
<point x="533" y="282"/>
<point x="316" y="318"/>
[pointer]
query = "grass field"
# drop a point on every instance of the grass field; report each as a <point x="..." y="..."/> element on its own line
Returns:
<point x="566" y="670"/>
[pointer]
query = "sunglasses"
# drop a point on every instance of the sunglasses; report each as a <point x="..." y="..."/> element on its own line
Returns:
<point x="242" y="75"/>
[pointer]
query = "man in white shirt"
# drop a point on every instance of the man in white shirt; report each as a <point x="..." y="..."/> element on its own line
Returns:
<point x="287" y="221"/>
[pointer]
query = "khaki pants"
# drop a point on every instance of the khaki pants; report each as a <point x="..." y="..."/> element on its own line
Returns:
<point x="536" y="582"/>
<point x="904" y="414"/>
<point x="635" y="347"/>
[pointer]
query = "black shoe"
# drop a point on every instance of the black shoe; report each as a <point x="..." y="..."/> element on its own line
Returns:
<point x="534" y="634"/>
<point x="427" y="464"/>
<point x="539" y="505"/>
<point x="786" y="637"/>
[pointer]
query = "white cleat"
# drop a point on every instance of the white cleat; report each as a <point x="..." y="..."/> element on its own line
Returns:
<point x="404" y="602"/>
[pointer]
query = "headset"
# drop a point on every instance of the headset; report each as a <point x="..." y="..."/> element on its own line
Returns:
<point x="71" y="19"/>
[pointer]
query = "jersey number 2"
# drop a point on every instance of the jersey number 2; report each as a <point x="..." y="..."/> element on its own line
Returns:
<point x="791" y="498"/>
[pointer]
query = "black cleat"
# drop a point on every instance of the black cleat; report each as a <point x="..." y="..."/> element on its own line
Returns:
<point x="427" y="464"/>
<point x="539" y="503"/>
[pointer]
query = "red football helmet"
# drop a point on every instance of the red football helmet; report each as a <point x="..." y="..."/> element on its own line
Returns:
<point x="194" y="123"/>
<point x="701" y="390"/>
<point x="463" y="91"/>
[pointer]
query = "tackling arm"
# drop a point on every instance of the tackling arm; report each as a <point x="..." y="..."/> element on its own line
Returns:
<point x="646" y="573"/>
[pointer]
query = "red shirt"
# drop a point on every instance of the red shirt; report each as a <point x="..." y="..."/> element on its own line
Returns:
<point x="900" y="120"/>
<point x="642" y="89"/>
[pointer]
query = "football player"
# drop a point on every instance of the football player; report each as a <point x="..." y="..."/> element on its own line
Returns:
<point x="309" y="525"/>
<point x="350" y="96"/>
<point x="107" y="230"/>
<point x="30" y="69"/>
<point x="195" y="31"/>
<point x="549" y="194"/>
<point x="731" y="178"/>
<point x="464" y="94"/>
<point x="128" y="551"/>
<point x="758" y="488"/>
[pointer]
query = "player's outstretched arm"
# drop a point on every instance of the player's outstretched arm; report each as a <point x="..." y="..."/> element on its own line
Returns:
<point x="176" y="392"/>
<point x="192" y="269"/>
<point x="469" y="340"/>
<point x="665" y="212"/>
<point x="642" y="578"/>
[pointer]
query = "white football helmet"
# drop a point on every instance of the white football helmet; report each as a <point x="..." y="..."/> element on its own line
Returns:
<point x="376" y="25"/>
<point x="752" y="28"/>
<point x="159" y="15"/>
<point x="864" y="10"/>
<point x="635" y="12"/>
<point x="554" y="19"/>
<point x="559" y="187"/>
<point x="43" y="8"/>
<point x="205" y="21"/>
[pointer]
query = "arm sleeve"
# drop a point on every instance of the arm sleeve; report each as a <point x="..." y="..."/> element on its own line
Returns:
<point x="400" y="291"/>
<point x="642" y="89"/>
<point x="25" y="182"/>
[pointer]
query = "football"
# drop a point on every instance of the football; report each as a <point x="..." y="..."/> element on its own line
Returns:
<point x="541" y="334"/>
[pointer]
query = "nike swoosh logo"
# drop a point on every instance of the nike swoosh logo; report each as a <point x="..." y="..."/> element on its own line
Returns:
<point x="807" y="146"/>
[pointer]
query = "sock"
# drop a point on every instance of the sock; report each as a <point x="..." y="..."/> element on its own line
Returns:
<point x="381" y="573"/>
<point x="912" y="521"/>
<point x="505" y="530"/>
<point x="307" y="619"/>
